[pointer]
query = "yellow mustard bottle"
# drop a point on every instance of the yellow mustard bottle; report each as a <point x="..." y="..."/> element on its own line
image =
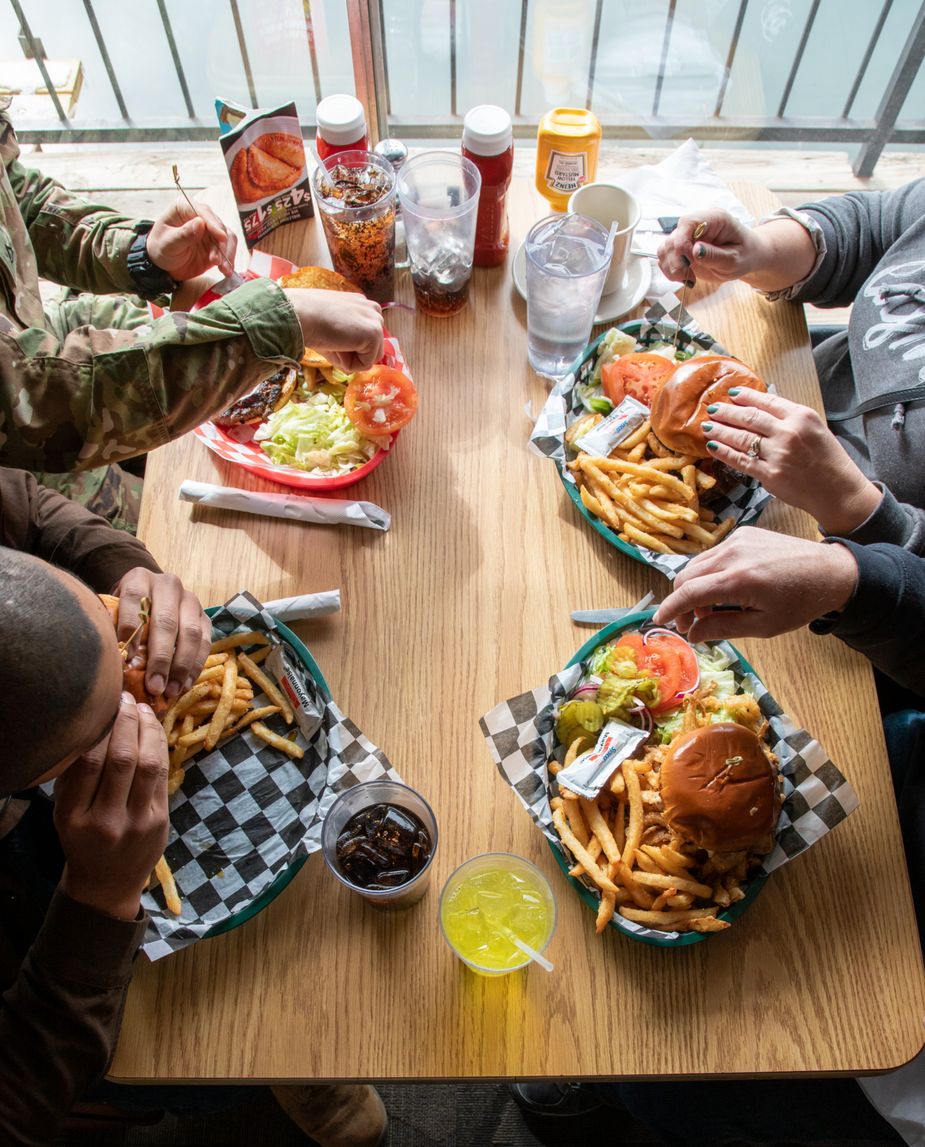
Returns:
<point x="567" y="144"/>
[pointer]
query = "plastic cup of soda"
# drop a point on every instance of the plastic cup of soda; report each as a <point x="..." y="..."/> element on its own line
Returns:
<point x="379" y="839"/>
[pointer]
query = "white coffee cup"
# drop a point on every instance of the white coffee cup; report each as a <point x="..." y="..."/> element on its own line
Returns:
<point x="610" y="203"/>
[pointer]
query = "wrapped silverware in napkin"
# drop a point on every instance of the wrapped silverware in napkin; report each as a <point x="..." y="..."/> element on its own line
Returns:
<point x="304" y="606"/>
<point x="296" y="507"/>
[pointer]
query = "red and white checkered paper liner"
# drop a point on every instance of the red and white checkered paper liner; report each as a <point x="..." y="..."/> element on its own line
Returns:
<point x="248" y="455"/>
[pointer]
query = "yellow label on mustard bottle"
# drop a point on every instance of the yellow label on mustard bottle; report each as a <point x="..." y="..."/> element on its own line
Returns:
<point x="567" y="144"/>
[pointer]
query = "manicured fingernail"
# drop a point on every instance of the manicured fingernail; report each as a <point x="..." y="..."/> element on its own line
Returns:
<point x="685" y="261"/>
<point x="706" y="427"/>
<point x="712" y="445"/>
<point x="701" y="251"/>
<point x="690" y="283"/>
<point x="712" y="408"/>
<point x="156" y="684"/>
<point x="734" y="391"/>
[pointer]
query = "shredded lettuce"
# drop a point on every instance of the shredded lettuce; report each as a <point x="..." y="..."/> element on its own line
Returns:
<point x="714" y="669"/>
<point x="614" y="344"/>
<point x="315" y="436"/>
<point x="603" y="661"/>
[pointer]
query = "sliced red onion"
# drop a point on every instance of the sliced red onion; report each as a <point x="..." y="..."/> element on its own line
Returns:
<point x="586" y="688"/>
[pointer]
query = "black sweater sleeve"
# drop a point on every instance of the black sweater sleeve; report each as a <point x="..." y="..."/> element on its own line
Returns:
<point x="885" y="620"/>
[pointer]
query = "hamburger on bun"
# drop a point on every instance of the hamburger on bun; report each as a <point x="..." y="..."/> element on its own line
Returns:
<point x="719" y="789"/>
<point x="681" y="403"/>
<point x="133" y="679"/>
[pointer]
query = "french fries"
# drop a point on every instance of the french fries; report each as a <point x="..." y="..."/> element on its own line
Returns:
<point x="219" y="705"/>
<point x="642" y="870"/>
<point x="649" y="495"/>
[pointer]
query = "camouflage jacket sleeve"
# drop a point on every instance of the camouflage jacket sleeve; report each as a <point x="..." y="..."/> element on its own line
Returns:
<point x="78" y="244"/>
<point x="99" y="395"/>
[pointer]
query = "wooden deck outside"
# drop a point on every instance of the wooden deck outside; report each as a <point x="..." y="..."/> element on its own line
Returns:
<point x="137" y="178"/>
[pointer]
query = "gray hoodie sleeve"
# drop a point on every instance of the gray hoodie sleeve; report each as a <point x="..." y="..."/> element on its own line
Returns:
<point x="858" y="228"/>
<point x="894" y="522"/>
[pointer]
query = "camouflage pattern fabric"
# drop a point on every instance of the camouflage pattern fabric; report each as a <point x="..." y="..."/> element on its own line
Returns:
<point x="96" y="380"/>
<point x="109" y="491"/>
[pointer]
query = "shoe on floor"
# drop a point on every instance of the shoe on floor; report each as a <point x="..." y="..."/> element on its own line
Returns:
<point x="544" y="1098"/>
<point x="336" y="1114"/>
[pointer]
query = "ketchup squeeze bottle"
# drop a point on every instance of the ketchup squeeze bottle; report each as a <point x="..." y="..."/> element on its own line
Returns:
<point x="488" y="141"/>
<point x="341" y="126"/>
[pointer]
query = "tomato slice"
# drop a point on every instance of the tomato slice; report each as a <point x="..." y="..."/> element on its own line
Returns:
<point x="690" y="670"/>
<point x="638" y="375"/>
<point x="664" y="662"/>
<point x="380" y="400"/>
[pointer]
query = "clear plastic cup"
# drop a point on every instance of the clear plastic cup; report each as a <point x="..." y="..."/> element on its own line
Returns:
<point x="439" y="195"/>
<point x="567" y="262"/>
<point x="355" y="192"/>
<point x="365" y="796"/>
<point x="487" y="902"/>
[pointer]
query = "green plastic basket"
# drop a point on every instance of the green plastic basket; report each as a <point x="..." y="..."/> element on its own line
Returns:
<point x="681" y="939"/>
<point x="269" y="894"/>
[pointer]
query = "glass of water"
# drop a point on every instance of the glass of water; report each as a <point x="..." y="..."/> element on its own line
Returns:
<point x="568" y="257"/>
<point x="439" y="195"/>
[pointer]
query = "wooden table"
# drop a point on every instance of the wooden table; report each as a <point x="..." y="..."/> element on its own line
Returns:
<point x="465" y="602"/>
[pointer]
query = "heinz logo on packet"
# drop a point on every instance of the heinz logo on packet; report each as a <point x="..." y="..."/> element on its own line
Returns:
<point x="265" y="157"/>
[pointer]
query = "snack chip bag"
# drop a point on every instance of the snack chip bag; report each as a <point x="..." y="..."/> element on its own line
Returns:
<point x="265" y="156"/>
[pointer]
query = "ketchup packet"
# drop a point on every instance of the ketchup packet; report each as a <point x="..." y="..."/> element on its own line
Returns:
<point x="265" y="157"/>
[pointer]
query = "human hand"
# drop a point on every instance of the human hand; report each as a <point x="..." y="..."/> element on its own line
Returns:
<point x="186" y="244"/>
<point x="724" y="250"/>
<point x="344" y="326"/>
<point x="779" y="582"/>
<point x="799" y="459"/>
<point x="179" y="633"/>
<point x="111" y="813"/>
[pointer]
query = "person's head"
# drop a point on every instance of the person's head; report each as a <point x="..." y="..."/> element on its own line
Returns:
<point x="60" y="670"/>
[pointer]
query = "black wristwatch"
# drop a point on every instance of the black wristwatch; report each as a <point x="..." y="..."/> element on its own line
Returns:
<point x="150" y="281"/>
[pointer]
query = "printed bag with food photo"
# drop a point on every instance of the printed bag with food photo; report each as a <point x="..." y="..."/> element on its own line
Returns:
<point x="624" y="430"/>
<point x="265" y="156"/>
<point x="666" y="779"/>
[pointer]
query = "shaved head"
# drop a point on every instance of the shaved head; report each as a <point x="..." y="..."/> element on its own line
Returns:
<point x="60" y="670"/>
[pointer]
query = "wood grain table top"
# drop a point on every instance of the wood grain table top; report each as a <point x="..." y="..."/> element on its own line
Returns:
<point x="465" y="602"/>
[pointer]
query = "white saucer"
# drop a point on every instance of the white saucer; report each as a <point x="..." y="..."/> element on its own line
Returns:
<point x="612" y="306"/>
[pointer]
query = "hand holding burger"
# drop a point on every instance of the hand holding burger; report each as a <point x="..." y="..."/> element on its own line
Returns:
<point x="172" y="647"/>
<point x="791" y="451"/>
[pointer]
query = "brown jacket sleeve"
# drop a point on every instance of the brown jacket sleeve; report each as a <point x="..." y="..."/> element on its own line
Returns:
<point x="44" y="523"/>
<point x="60" y="1020"/>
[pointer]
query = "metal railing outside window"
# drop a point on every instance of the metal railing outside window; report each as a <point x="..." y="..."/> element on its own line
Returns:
<point x="837" y="72"/>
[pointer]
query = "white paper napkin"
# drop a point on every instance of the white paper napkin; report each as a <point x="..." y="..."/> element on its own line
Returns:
<point x="296" y="507"/>
<point x="304" y="606"/>
<point x="683" y="183"/>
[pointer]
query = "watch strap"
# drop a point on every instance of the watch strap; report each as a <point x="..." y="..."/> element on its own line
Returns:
<point x="151" y="282"/>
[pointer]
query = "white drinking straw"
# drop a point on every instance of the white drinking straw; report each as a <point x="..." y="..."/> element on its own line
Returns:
<point x="528" y="951"/>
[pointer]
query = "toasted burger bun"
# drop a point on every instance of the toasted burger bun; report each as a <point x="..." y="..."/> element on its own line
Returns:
<point x="133" y="680"/>
<point x="681" y="404"/>
<point x="318" y="279"/>
<point x="719" y="790"/>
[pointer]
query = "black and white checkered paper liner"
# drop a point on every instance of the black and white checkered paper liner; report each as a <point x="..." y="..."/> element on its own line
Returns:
<point x="246" y="811"/>
<point x="743" y="502"/>
<point x="521" y="738"/>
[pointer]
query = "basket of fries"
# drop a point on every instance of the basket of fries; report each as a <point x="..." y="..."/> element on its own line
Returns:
<point x="655" y="505"/>
<point x="588" y="756"/>
<point x="258" y="753"/>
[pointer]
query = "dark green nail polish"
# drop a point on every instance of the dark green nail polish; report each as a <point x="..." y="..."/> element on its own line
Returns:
<point x="712" y="408"/>
<point x="701" y="251"/>
<point x="712" y="445"/>
<point x="706" y="427"/>
<point x="734" y="391"/>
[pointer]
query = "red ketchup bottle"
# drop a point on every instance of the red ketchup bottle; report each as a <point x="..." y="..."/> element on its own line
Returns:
<point x="341" y="126"/>
<point x="488" y="140"/>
